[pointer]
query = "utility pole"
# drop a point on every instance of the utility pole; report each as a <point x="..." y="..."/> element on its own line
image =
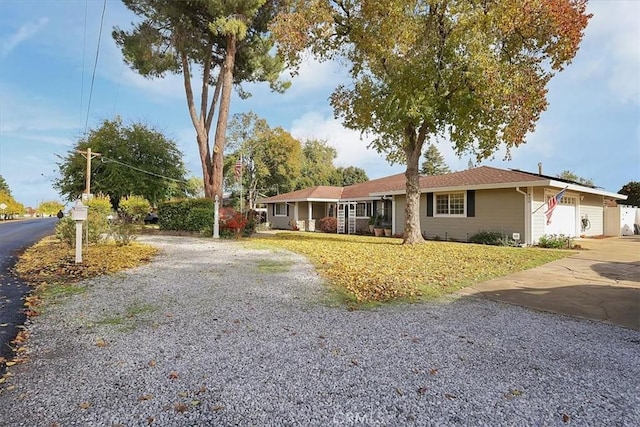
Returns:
<point x="89" y="155"/>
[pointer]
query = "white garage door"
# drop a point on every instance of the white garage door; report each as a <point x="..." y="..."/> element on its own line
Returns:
<point x="563" y="220"/>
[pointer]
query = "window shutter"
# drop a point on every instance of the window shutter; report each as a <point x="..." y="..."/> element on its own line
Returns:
<point x="429" y="204"/>
<point x="287" y="209"/>
<point x="273" y="209"/>
<point x="471" y="203"/>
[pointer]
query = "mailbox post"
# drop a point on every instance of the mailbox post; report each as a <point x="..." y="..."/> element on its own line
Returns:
<point x="79" y="215"/>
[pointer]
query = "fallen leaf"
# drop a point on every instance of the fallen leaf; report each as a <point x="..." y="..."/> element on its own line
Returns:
<point x="85" y="405"/>
<point x="399" y="391"/>
<point x="433" y="371"/>
<point x="180" y="407"/>
<point x="173" y="375"/>
<point x="183" y="394"/>
<point x="152" y="363"/>
<point x="195" y="402"/>
<point x="101" y="343"/>
<point x="145" y="397"/>
<point x="422" y="390"/>
<point x="10" y="363"/>
<point x="150" y="420"/>
<point x="566" y="418"/>
<point x="217" y="408"/>
<point x="450" y="396"/>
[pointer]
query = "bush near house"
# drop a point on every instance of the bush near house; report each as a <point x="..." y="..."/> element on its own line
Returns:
<point x="328" y="225"/>
<point x="495" y="238"/>
<point x="555" y="241"/>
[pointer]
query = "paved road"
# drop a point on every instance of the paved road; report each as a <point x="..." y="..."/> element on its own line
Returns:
<point x="15" y="236"/>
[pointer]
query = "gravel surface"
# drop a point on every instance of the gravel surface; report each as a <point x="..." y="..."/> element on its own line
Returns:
<point x="217" y="333"/>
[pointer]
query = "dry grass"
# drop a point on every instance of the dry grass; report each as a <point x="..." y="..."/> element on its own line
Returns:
<point x="381" y="269"/>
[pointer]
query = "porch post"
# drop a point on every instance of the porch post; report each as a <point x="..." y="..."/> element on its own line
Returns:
<point x="309" y="211"/>
<point x="295" y="211"/>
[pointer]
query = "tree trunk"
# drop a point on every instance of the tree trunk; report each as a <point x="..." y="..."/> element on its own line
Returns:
<point x="412" y="231"/>
<point x="223" y="115"/>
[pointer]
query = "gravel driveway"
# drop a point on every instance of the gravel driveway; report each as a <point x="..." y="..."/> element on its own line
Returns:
<point x="216" y="333"/>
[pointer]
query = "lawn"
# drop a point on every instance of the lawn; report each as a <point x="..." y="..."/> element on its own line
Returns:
<point x="371" y="269"/>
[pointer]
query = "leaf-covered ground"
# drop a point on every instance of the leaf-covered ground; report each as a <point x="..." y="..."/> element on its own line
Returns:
<point x="380" y="269"/>
<point x="50" y="265"/>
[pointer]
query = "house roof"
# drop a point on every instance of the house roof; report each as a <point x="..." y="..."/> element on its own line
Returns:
<point x="483" y="177"/>
<point x="317" y="193"/>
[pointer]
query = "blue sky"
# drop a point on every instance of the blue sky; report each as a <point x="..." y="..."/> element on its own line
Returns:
<point x="47" y="54"/>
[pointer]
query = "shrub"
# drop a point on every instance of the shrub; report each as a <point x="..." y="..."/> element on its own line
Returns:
<point x="495" y="238"/>
<point x="555" y="241"/>
<point x="123" y="232"/>
<point x="328" y="225"/>
<point x="232" y="222"/>
<point x="96" y="221"/>
<point x="135" y="208"/>
<point x="100" y="204"/>
<point x="186" y="215"/>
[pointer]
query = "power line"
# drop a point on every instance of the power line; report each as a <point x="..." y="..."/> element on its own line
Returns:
<point x="95" y="65"/>
<point x="142" y="170"/>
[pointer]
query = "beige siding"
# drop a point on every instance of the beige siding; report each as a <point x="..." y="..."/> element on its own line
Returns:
<point x="279" y="222"/>
<point x="592" y="207"/>
<point x="538" y="219"/>
<point x="495" y="210"/>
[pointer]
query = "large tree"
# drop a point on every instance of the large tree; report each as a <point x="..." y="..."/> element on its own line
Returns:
<point x="317" y="164"/>
<point x="226" y="41"/>
<point x="350" y="175"/>
<point x="270" y="158"/>
<point x="474" y="72"/>
<point x="134" y="160"/>
<point x="434" y="163"/>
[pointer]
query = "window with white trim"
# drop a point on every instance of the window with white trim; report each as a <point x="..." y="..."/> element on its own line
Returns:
<point x="364" y="209"/>
<point x="281" y="209"/>
<point x="451" y="204"/>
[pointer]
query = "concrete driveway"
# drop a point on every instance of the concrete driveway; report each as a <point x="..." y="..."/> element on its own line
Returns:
<point x="600" y="282"/>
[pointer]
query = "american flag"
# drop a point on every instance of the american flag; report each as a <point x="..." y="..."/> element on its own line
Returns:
<point x="552" y="203"/>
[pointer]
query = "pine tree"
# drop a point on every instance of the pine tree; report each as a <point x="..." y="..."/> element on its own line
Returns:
<point x="434" y="163"/>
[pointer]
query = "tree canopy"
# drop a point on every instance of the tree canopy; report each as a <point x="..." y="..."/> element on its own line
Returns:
<point x="571" y="176"/>
<point x="4" y="187"/>
<point x="134" y="160"/>
<point x="473" y="72"/>
<point x="632" y="191"/>
<point x="227" y="41"/>
<point x="434" y="163"/>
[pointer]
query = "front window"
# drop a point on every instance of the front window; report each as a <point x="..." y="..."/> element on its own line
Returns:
<point x="450" y="204"/>
<point x="364" y="209"/>
<point x="281" y="209"/>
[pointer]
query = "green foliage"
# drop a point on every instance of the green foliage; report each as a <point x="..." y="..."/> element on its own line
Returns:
<point x="632" y="191"/>
<point x="350" y="175"/>
<point x="4" y="187"/>
<point x="13" y="207"/>
<point x="122" y="231"/>
<point x="434" y="163"/>
<point x="101" y="204"/>
<point x="135" y="208"/>
<point x="328" y="224"/>
<point x="555" y="241"/>
<point x="125" y="152"/>
<point x="317" y="164"/>
<point x="186" y="215"/>
<point x="96" y="221"/>
<point x="229" y="41"/>
<point x="571" y="176"/>
<point x="50" y="207"/>
<point x="495" y="238"/>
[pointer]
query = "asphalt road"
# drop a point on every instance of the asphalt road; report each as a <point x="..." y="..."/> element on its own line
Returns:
<point x="15" y="237"/>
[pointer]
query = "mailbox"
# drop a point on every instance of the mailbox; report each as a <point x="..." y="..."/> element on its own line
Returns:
<point x="79" y="211"/>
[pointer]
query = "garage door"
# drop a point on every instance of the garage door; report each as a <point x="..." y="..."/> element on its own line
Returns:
<point x="563" y="220"/>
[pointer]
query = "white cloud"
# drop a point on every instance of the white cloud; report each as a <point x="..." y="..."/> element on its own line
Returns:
<point x="25" y="32"/>
<point x="615" y="33"/>
<point x="350" y="145"/>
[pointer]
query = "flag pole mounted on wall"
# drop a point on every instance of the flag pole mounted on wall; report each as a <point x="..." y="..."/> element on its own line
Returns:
<point x="551" y="204"/>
